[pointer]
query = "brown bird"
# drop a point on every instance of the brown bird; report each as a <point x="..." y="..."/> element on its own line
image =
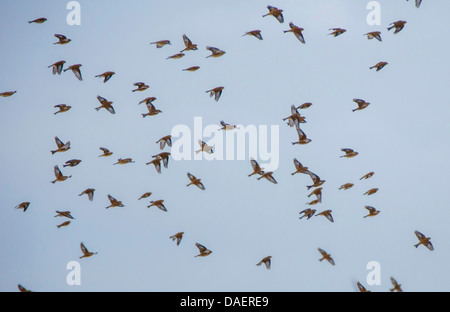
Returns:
<point x="294" y="117"/>
<point x="254" y="33"/>
<point x="304" y="105"/>
<point x="372" y="211"/>
<point x="189" y="46"/>
<point x="216" y="92"/>
<point x="152" y="111"/>
<point x="423" y="240"/>
<point x="256" y="168"/>
<point x="398" y="25"/>
<point x="346" y="186"/>
<point x="164" y="157"/>
<point x="349" y="153"/>
<point x="159" y="204"/>
<point x="397" y="286"/>
<point x="66" y="223"/>
<point x="299" y="168"/>
<point x="106" y="152"/>
<point x="215" y="52"/>
<point x="23" y="289"/>
<point x="374" y="34"/>
<point x="86" y="252"/>
<point x="178" y="237"/>
<point x="326" y="214"/>
<point x="268" y="176"/>
<point x="318" y="193"/>
<point x="316" y="180"/>
<point x="203" y="250"/>
<point x="141" y="86"/>
<point x="38" y="20"/>
<point x="114" y="202"/>
<point x="105" y="104"/>
<point x="145" y="195"/>
<point x="62" y="108"/>
<point x="314" y="202"/>
<point x="368" y="175"/>
<point x="361" y="104"/>
<point x="192" y="68"/>
<point x="165" y="140"/>
<point x="23" y="206"/>
<point x="89" y="192"/>
<point x="361" y="287"/>
<point x="297" y="31"/>
<point x="275" y="12"/>
<point x="337" y="31"/>
<point x="204" y="148"/>
<point x="65" y="214"/>
<point x="59" y="176"/>
<point x="371" y="191"/>
<point x="226" y="126"/>
<point x="267" y="262"/>
<point x="195" y="181"/>
<point x="418" y="3"/>
<point x="7" y="93"/>
<point x="57" y="67"/>
<point x="124" y="161"/>
<point x="62" y="39"/>
<point x="106" y="76"/>
<point x="148" y="100"/>
<point x="159" y="44"/>
<point x="326" y="256"/>
<point x="72" y="163"/>
<point x="157" y="163"/>
<point x="76" y="70"/>
<point x="302" y="138"/>
<point x="379" y="66"/>
<point x="308" y="213"/>
<point x="176" y="56"/>
<point x="61" y="147"/>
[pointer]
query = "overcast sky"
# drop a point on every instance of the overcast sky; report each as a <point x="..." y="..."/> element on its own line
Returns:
<point x="403" y="136"/>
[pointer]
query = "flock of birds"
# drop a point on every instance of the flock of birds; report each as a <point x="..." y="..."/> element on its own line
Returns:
<point x="294" y="120"/>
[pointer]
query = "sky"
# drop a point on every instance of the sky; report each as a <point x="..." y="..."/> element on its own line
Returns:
<point x="402" y="136"/>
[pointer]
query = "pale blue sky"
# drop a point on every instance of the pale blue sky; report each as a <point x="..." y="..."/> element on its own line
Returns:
<point x="403" y="136"/>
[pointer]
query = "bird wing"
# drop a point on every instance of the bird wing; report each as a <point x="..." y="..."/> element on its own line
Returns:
<point x="59" y="143"/>
<point x="201" y="248"/>
<point x="83" y="249"/>
<point x="255" y="165"/>
<point x="57" y="172"/>
<point x="187" y="41"/>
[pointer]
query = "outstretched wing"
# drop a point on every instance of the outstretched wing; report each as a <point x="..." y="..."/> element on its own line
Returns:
<point x="59" y="143"/>
<point x="200" y="247"/>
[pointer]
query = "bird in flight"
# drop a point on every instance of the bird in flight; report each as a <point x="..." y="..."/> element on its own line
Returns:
<point x="65" y="214"/>
<point x="141" y="86"/>
<point x="418" y="3"/>
<point x="294" y="117"/>
<point x="337" y="31"/>
<point x="371" y="191"/>
<point x="38" y="20"/>
<point x="164" y="157"/>
<point x="23" y="206"/>
<point x="326" y="214"/>
<point x="23" y="289"/>
<point x="268" y="176"/>
<point x="204" y="148"/>
<point x="106" y="152"/>
<point x="302" y="138"/>
<point x="86" y="252"/>
<point x="215" y="52"/>
<point x="256" y="168"/>
<point x="318" y="193"/>
<point x="397" y="286"/>
<point x="76" y="70"/>
<point x="379" y="66"/>
<point x="89" y="192"/>
<point x="372" y="211"/>
<point x="114" y="202"/>
<point x="316" y="180"/>
<point x="59" y="176"/>
<point x="65" y="223"/>
<point x="349" y="153"/>
<point x="61" y="147"/>
<point x="152" y="111"/>
<point x="106" y="76"/>
<point x="275" y="12"/>
<point x="368" y="175"/>
<point x="57" y="67"/>
<point x="62" y="39"/>
<point x="72" y="163"/>
<point x="165" y="140"/>
<point x="361" y="104"/>
<point x="361" y="287"/>
<point x="346" y="186"/>
<point x="299" y="168"/>
<point x="195" y="181"/>
<point x="176" y="56"/>
<point x="62" y="108"/>
<point x="216" y="92"/>
<point x="105" y="104"/>
<point x="8" y="93"/>
<point x="189" y="46"/>
<point x="297" y="31"/>
<point x="157" y="163"/>
<point x="267" y="262"/>
<point x="254" y="33"/>
<point x="145" y="195"/>
<point x="423" y="240"/>
<point x="178" y="237"/>
<point x="192" y="68"/>
<point x="124" y="161"/>
<point x="308" y="213"/>
<point x="374" y="34"/>
<point x="159" y="44"/>
<point x="226" y="126"/>
<point x="203" y="250"/>
<point x="326" y="256"/>
<point x="398" y="25"/>
<point x="159" y="204"/>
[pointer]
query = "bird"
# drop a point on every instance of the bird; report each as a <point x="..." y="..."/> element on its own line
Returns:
<point x="62" y="39"/>
<point x="337" y="31"/>
<point x="299" y="168"/>
<point x="374" y="34"/>
<point x="379" y="66"/>
<point x="294" y="117"/>
<point x="398" y="25"/>
<point x="65" y="223"/>
<point x="114" y="202"/>
<point x="157" y="163"/>
<point x="89" y="192"/>
<point x="203" y="250"/>
<point x="57" y="67"/>
<point x="195" y="181"/>
<point x="318" y="193"/>
<point x="314" y="202"/>
<point x="23" y="206"/>
<point x="8" y="93"/>
<point x="124" y="161"/>
<point x="302" y="138"/>
<point x="226" y="126"/>
<point x="38" y="20"/>
<point x="189" y="46"/>
<point x="326" y="214"/>
<point x="141" y="86"/>
<point x="267" y="262"/>
<point x="145" y="195"/>
<point x="423" y="240"/>
<point x="86" y="252"/>
<point x="192" y="68"/>
<point x="106" y="152"/>
<point x="268" y="176"/>
<point x="275" y="12"/>
<point x="148" y="100"/>
<point x="215" y="52"/>
<point x="106" y="76"/>
<point x="216" y="92"/>
<point x="59" y="176"/>
<point x="176" y="56"/>
<point x="361" y="104"/>
<point x="105" y="104"/>
<point x="397" y="286"/>
<point x="152" y="111"/>
<point x="178" y="237"/>
<point x="308" y="213"/>
<point x="254" y="33"/>
<point x="164" y="157"/>
<point x="256" y="168"/>
<point x="349" y="153"/>
<point x="326" y="256"/>
<point x="361" y="287"/>
<point x="61" y="147"/>
<point x="297" y="31"/>
<point x="165" y="140"/>
<point x="316" y="180"/>
<point x="372" y="211"/>
<point x="418" y="3"/>
<point x="159" y="44"/>
<point x="305" y="105"/>
<point x="23" y="289"/>
<point x="368" y="175"/>
<point x="346" y="186"/>
<point x="371" y="191"/>
<point x="204" y="148"/>
<point x="65" y="214"/>
<point x="72" y="163"/>
<point x="159" y="204"/>
<point x="76" y="70"/>
<point x="62" y="108"/>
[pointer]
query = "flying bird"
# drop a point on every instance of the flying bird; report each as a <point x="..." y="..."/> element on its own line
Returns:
<point x="397" y="286"/>
<point x="361" y="287"/>
<point x="65" y="223"/>
<point x="86" y="252"/>
<point x="57" y="67"/>
<point x="157" y="163"/>
<point x="195" y="181"/>
<point x="176" y="56"/>
<point x="23" y="206"/>
<point x="305" y="105"/>
<point x="145" y="195"/>
<point x="141" y="86"/>
<point x="8" y="93"/>
<point x="326" y="256"/>
<point x="308" y="213"/>
<point x="302" y="138"/>
<point x="159" y="204"/>
<point x="23" y="289"/>
<point x="65" y="214"/>
<point x="59" y="176"/>
<point x="203" y="250"/>
<point x="346" y="186"/>
<point x="299" y="168"/>
<point x="204" y="148"/>
<point x="423" y="240"/>
<point x="89" y="192"/>
<point x="379" y="66"/>
<point x="76" y="70"/>
<point x="114" y="202"/>
<point x="349" y="153"/>
<point x="165" y="140"/>
<point x="256" y="168"/>
<point x="164" y="157"/>
<point x="368" y="175"/>
<point x="106" y="76"/>
<point x="361" y="104"/>
<point x="61" y="147"/>
<point x="294" y="117"/>
<point x="374" y="34"/>
<point x="216" y="92"/>
<point x="337" y="31"/>
<point x="189" y="46"/>
<point x="192" y="68"/>
<point x="326" y="214"/>
<point x="62" y="39"/>
<point x="124" y="161"/>
<point x="268" y="176"/>
<point x="72" y="163"/>
<point x="267" y="262"/>
<point x="398" y="25"/>
<point x="371" y="191"/>
<point x="159" y="44"/>
<point x="275" y="12"/>
<point x="178" y="237"/>
<point x="38" y="20"/>
<point x="226" y="126"/>
<point x="254" y="33"/>
<point x="418" y="3"/>
<point x="62" y="108"/>
<point x="106" y="152"/>
<point x="318" y="193"/>
<point x="215" y="52"/>
<point x="297" y="31"/>
<point x="105" y="104"/>
<point x="316" y="180"/>
<point x="372" y="211"/>
<point x="152" y="111"/>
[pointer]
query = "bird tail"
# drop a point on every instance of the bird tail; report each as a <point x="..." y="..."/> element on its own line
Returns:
<point x="98" y="108"/>
<point x="53" y="152"/>
<point x="354" y="110"/>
